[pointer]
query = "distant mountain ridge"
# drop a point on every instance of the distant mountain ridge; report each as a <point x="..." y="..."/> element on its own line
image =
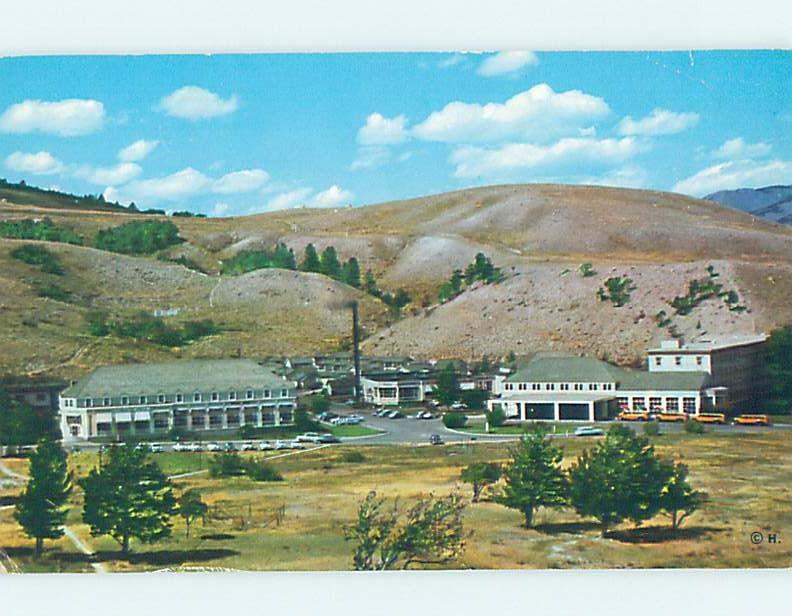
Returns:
<point x="771" y="202"/>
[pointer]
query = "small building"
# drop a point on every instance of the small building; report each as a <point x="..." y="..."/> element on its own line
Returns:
<point x="195" y="395"/>
<point x="40" y="395"/>
<point x="394" y="387"/>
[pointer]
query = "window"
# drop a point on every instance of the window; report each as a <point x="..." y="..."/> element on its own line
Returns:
<point x="179" y="398"/>
<point x="655" y="404"/>
<point x="160" y="398"/>
<point x="689" y="405"/>
<point x="215" y="396"/>
<point x="124" y="400"/>
<point x="639" y="404"/>
<point x="249" y="394"/>
<point x="672" y="405"/>
<point x="232" y="395"/>
<point x="142" y="400"/>
<point x="284" y="393"/>
<point x="88" y="402"/>
<point x="105" y="401"/>
<point x="658" y="361"/>
<point x="677" y="361"/>
<point x="196" y="397"/>
<point x="699" y="360"/>
<point x="266" y="393"/>
<point x="509" y="387"/>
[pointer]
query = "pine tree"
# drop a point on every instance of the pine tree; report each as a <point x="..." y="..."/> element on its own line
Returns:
<point x="534" y="477"/>
<point x="350" y="273"/>
<point x="678" y="499"/>
<point x="330" y="264"/>
<point x="41" y="509"/>
<point x="371" y="286"/>
<point x="310" y="262"/>
<point x="128" y="497"/>
<point x="191" y="507"/>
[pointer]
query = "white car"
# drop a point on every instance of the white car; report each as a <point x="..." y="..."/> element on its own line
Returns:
<point x="282" y="445"/>
<point x="265" y="445"/>
<point x="308" y="437"/>
<point x="296" y="445"/>
<point x="181" y="447"/>
<point x="156" y="448"/>
<point x="195" y="447"/>
<point x="458" y="406"/>
<point x="214" y="447"/>
<point x="247" y="446"/>
<point x="425" y="415"/>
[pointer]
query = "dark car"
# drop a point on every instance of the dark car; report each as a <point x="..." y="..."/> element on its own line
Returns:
<point x="435" y="439"/>
<point x="328" y="438"/>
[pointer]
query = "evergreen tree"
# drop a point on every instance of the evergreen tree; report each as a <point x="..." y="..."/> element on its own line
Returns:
<point x="534" y="477"/>
<point x="447" y="389"/>
<point x="330" y="266"/>
<point x="678" y="499"/>
<point x="480" y="475"/>
<point x="620" y="479"/>
<point x="41" y="509"/>
<point x="371" y="284"/>
<point x="191" y="507"/>
<point x="129" y="497"/>
<point x="310" y="262"/>
<point x="350" y="273"/>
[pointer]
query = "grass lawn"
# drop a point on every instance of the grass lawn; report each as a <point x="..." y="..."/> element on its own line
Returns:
<point x="746" y="476"/>
<point x="351" y="430"/>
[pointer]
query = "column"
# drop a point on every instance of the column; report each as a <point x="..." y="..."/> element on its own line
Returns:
<point x="259" y="418"/>
<point x="591" y="410"/>
<point x="556" y="411"/>
<point x="224" y="418"/>
<point x="151" y="423"/>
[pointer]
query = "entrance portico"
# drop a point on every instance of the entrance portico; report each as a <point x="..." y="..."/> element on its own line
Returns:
<point x="558" y="406"/>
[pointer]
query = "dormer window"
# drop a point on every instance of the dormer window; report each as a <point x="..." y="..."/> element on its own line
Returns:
<point x="88" y="402"/>
<point x="215" y="396"/>
<point x="105" y="401"/>
<point x="179" y="398"/>
<point x="160" y="398"/>
<point x="232" y="395"/>
<point x="249" y="394"/>
<point x="124" y="400"/>
<point x="196" y="397"/>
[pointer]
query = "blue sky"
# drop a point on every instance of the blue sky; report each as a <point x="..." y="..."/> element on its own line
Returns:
<point x="239" y="134"/>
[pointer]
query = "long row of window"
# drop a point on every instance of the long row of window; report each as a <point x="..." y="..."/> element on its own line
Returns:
<point x="179" y="398"/>
<point x="561" y="386"/>
<point x="678" y="360"/>
<point x="638" y="403"/>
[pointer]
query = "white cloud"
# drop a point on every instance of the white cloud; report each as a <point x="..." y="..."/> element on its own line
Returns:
<point x="370" y="157"/>
<point x="220" y="209"/>
<point x="194" y="103"/>
<point x="168" y="188"/>
<point x="114" y="175"/>
<point x="507" y="63"/>
<point x="537" y="113"/>
<point x="332" y="197"/>
<point x="738" y="148"/>
<point x="39" y="163"/>
<point x="659" y="122"/>
<point x="736" y="174"/>
<point x="380" y="130"/>
<point x="245" y="180"/>
<point x="289" y="199"/>
<point x="67" y="118"/>
<point x="137" y="151"/>
<point x="629" y="176"/>
<point x="452" y="60"/>
<point x="473" y="161"/>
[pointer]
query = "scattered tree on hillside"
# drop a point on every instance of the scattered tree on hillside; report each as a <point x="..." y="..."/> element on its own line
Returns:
<point x="330" y="266"/>
<point x="534" y="477"/>
<point x="677" y="498"/>
<point x="32" y="254"/>
<point x="350" y="273"/>
<point x="310" y="262"/>
<point x="138" y="237"/>
<point x="480" y="475"/>
<point x="191" y="507"/>
<point x="617" y="289"/>
<point x="428" y="533"/>
<point x="41" y="509"/>
<point x="370" y="285"/>
<point x="128" y="497"/>
<point x="619" y="479"/>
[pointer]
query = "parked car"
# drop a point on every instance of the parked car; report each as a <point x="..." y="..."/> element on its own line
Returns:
<point x="435" y="439"/>
<point x="229" y="446"/>
<point x="681" y="417"/>
<point x="589" y="431"/>
<point x="633" y="416"/>
<point x="196" y="447"/>
<point x="265" y="445"/>
<point x="296" y="445"/>
<point x="357" y="418"/>
<point x="458" y="406"/>
<point x="156" y="448"/>
<point x="328" y="438"/>
<point x="181" y="447"/>
<point x="751" y="420"/>
<point x="282" y="445"/>
<point x="214" y="447"/>
<point x="247" y="446"/>
<point x="716" y="418"/>
<point x="394" y="415"/>
<point x="426" y="415"/>
<point x="308" y="437"/>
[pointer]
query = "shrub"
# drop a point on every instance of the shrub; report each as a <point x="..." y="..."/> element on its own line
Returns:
<point x="353" y="457"/>
<point x="53" y="291"/>
<point x="226" y="465"/>
<point x="138" y="237"/>
<point x="454" y="420"/>
<point x="261" y="470"/>
<point x="38" y="230"/>
<point x="151" y="329"/>
<point x="474" y="398"/>
<point x="39" y="255"/>
<point x="694" y="427"/>
<point x="651" y="428"/>
<point x="496" y="417"/>
<point x="617" y="290"/>
<point x="244" y="261"/>
<point x="586" y="270"/>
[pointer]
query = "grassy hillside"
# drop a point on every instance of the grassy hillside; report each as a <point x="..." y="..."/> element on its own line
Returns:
<point x="537" y="234"/>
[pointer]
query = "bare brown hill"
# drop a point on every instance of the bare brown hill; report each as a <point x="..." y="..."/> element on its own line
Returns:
<point x="538" y="234"/>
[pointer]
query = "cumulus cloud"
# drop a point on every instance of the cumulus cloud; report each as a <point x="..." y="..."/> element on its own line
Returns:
<point x="659" y="122"/>
<point x="172" y="187"/>
<point x="537" y="113"/>
<point x="507" y="63"/>
<point x="332" y="197"/>
<point x="289" y="199"/>
<point x="38" y="163"/>
<point x="501" y="161"/>
<point x="194" y="103"/>
<point x="738" y="148"/>
<point x="66" y="118"/>
<point x="137" y="151"/>
<point x="114" y="175"/>
<point x="245" y="180"/>
<point x="736" y="174"/>
<point x="380" y="130"/>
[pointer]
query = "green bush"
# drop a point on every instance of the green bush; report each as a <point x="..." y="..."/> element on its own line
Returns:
<point x="151" y="329"/>
<point x="138" y="237"/>
<point x="32" y="254"/>
<point x="53" y="291"/>
<point x="44" y="230"/>
<point x="226" y="465"/>
<point x="617" y="289"/>
<point x="694" y="427"/>
<point x="474" y="398"/>
<point x="354" y="457"/>
<point x="651" y="428"/>
<point x="261" y="470"/>
<point x="282" y="257"/>
<point x="454" y="420"/>
<point x="496" y="417"/>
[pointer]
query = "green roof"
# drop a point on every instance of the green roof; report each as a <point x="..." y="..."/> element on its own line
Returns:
<point x="561" y="368"/>
<point x="198" y="375"/>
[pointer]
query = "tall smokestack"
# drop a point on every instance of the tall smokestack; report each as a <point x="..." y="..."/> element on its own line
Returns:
<point x="356" y="351"/>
